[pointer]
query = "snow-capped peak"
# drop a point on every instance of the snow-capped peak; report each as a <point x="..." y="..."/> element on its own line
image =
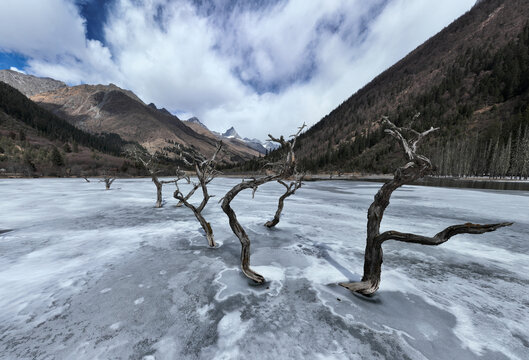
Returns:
<point x="231" y="133"/>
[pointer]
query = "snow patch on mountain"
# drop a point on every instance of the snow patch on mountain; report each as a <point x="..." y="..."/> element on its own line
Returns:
<point x="231" y="134"/>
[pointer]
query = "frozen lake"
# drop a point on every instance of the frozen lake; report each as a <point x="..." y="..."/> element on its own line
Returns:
<point x="92" y="274"/>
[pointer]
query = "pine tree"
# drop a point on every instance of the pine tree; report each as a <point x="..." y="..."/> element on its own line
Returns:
<point x="56" y="157"/>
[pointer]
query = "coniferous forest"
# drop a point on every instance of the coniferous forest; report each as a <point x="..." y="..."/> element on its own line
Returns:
<point x="481" y="107"/>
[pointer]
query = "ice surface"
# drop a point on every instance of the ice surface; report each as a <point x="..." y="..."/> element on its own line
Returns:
<point x="87" y="273"/>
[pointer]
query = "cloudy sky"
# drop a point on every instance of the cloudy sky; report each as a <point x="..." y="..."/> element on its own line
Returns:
<point x="259" y="65"/>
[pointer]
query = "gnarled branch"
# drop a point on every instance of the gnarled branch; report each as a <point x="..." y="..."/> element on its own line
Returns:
<point x="206" y="172"/>
<point x="290" y="190"/>
<point x="151" y="164"/>
<point x="417" y="167"/>
<point x="276" y="171"/>
<point x="108" y="180"/>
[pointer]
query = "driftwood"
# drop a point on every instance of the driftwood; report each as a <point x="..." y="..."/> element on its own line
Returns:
<point x="276" y="171"/>
<point x="417" y="167"/>
<point x="206" y="172"/>
<point x="290" y="190"/>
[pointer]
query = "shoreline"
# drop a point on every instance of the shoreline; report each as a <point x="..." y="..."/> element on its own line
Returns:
<point x="447" y="182"/>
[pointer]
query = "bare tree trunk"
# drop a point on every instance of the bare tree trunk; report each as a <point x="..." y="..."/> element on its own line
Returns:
<point x="108" y="182"/>
<point x="86" y="179"/>
<point x="237" y="228"/>
<point x="290" y="190"/>
<point x="417" y="167"/>
<point x="151" y="164"/>
<point x="280" y="170"/>
<point x="159" y="185"/>
<point x="205" y="171"/>
<point x="207" y="228"/>
<point x="189" y="194"/>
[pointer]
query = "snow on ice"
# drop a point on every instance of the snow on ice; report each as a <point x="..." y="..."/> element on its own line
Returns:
<point x="87" y="273"/>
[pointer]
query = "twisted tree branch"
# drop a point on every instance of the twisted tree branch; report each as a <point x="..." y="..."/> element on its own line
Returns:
<point x="417" y="167"/>
<point x="277" y="171"/>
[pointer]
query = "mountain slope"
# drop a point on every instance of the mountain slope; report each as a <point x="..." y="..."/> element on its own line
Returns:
<point x="35" y="142"/>
<point x="233" y="144"/>
<point x="28" y="84"/>
<point x="470" y="79"/>
<point x="108" y="108"/>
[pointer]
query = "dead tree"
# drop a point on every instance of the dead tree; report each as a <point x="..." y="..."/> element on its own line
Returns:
<point x="206" y="172"/>
<point x="86" y="179"/>
<point x="189" y="194"/>
<point x="108" y="180"/>
<point x="151" y="164"/>
<point x="417" y="167"/>
<point x="275" y="171"/>
<point x="290" y="190"/>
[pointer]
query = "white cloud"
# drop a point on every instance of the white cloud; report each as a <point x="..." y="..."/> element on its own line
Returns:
<point x="40" y="28"/>
<point x="312" y="54"/>
<point x="17" y="70"/>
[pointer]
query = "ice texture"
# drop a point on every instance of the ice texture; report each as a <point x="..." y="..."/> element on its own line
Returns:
<point x="87" y="273"/>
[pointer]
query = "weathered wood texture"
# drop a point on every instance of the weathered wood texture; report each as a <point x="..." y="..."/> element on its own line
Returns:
<point x="108" y="180"/>
<point x="275" y="171"/>
<point x="151" y="164"/>
<point x="290" y="190"/>
<point x="417" y="167"/>
<point x="205" y="172"/>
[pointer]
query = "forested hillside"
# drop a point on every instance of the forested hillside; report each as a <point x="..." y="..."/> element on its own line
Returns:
<point x="34" y="142"/>
<point x="471" y="80"/>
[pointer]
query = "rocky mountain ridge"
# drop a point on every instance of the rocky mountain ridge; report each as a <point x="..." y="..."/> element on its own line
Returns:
<point x="28" y="84"/>
<point x="233" y="136"/>
<point x="110" y="109"/>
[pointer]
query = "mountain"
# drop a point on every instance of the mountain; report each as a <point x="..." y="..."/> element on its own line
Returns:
<point x="162" y="110"/>
<point x="261" y="146"/>
<point x="471" y="80"/>
<point x="256" y="144"/>
<point x="195" y="120"/>
<point x="231" y="134"/>
<point x="35" y="142"/>
<point x="270" y="145"/>
<point x="28" y="84"/>
<point x="230" y="137"/>
<point x="110" y="109"/>
<point x="229" y="143"/>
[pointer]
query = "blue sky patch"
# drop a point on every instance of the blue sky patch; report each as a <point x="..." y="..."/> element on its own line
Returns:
<point x="8" y="60"/>
<point x="95" y="12"/>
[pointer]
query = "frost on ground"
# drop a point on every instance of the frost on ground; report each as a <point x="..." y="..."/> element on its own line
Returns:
<point x="87" y="273"/>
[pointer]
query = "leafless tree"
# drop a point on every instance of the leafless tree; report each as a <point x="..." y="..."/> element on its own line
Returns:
<point x="151" y="164"/>
<point x="206" y="172"/>
<point x="417" y="167"/>
<point x="189" y="194"/>
<point x="108" y="180"/>
<point x="283" y="169"/>
<point x="290" y="190"/>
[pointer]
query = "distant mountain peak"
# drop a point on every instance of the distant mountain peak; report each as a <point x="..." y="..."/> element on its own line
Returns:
<point x="162" y="110"/>
<point x="195" y="120"/>
<point x="231" y="133"/>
